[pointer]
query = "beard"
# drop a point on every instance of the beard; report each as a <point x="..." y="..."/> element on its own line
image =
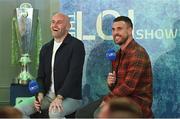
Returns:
<point x="122" y="41"/>
<point x="58" y="34"/>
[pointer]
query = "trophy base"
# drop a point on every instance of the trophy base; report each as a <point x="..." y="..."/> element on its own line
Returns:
<point x="24" y="77"/>
<point x="23" y="82"/>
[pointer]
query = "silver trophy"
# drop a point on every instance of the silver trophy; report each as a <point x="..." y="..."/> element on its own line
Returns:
<point x="26" y="22"/>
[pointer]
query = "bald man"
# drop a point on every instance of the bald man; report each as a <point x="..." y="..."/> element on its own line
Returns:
<point x="60" y="72"/>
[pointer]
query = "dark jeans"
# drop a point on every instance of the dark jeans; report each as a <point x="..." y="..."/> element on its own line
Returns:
<point x="88" y="110"/>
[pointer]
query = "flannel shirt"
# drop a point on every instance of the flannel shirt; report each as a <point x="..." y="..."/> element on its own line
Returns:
<point x="134" y="77"/>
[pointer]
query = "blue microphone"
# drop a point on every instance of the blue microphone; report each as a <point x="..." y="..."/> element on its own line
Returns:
<point x="34" y="88"/>
<point x="111" y="54"/>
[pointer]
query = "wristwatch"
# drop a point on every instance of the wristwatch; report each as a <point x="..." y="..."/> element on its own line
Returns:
<point x="60" y="97"/>
<point x="40" y="95"/>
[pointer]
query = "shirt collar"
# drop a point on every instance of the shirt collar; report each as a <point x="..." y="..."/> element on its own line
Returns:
<point x="129" y="46"/>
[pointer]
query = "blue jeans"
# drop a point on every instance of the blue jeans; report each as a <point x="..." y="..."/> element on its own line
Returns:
<point x="69" y="105"/>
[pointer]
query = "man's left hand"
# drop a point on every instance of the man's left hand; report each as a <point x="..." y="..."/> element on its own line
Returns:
<point x="56" y="104"/>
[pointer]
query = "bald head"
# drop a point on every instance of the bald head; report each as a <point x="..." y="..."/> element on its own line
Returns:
<point x="60" y="25"/>
<point x="122" y="107"/>
<point x="63" y="16"/>
<point x="10" y="112"/>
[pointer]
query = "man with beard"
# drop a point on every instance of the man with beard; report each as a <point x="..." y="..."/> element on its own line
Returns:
<point x="132" y="73"/>
<point x="60" y="72"/>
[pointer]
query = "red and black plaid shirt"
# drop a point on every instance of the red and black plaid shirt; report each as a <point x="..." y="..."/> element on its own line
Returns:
<point x="134" y="77"/>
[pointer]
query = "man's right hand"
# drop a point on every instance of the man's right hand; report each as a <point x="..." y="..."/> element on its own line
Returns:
<point x="37" y="102"/>
<point x="111" y="79"/>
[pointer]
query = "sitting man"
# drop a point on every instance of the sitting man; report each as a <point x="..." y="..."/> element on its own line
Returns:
<point x="59" y="74"/>
<point x="132" y="72"/>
